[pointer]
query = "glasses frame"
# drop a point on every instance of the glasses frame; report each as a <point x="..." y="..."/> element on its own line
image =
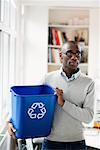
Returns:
<point x="69" y="53"/>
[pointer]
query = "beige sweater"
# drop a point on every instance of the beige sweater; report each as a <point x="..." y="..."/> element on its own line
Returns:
<point x="78" y="107"/>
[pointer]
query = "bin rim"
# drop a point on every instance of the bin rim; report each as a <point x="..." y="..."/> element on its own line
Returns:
<point x="32" y="86"/>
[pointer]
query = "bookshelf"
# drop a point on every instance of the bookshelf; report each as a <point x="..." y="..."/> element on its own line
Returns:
<point x="77" y="24"/>
<point x="67" y="24"/>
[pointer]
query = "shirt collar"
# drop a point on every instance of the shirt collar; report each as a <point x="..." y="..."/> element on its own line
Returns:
<point x="73" y="77"/>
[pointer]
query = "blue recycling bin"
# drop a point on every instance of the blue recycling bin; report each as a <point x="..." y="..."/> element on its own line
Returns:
<point x="32" y="110"/>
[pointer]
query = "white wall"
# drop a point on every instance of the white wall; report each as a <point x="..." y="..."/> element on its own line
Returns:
<point x="68" y="3"/>
<point x="35" y="43"/>
<point x="94" y="46"/>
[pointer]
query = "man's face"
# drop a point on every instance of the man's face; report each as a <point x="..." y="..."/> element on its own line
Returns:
<point x="70" y="56"/>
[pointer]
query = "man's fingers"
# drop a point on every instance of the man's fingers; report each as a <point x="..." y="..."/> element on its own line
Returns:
<point x="12" y="128"/>
<point x="59" y="91"/>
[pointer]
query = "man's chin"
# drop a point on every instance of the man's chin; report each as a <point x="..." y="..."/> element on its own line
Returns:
<point x="73" y="67"/>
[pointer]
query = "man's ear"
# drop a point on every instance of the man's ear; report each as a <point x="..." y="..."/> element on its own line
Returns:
<point x="60" y="55"/>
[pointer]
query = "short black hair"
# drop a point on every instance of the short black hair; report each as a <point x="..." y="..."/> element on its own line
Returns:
<point x="70" y="42"/>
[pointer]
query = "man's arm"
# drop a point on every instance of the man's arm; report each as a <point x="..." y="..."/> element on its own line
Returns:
<point x="84" y="113"/>
<point x="11" y="129"/>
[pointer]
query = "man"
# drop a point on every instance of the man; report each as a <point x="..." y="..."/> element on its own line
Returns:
<point x="75" y="93"/>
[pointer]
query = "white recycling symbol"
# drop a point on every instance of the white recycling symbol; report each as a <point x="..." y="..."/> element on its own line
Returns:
<point x="31" y="111"/>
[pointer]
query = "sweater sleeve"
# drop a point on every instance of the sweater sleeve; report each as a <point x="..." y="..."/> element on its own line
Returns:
<point x="84" y="113"/>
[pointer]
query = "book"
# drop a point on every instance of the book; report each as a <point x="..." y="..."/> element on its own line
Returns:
<point x="57" y="37"/>
<point x="53" y="36"/>
<point x="56" y="57"/>
<point x="50" y="36"/>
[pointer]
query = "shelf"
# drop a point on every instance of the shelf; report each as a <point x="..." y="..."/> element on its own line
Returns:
<point x="69" y="26"/>
<point x="59" y="46"/>
<point x="55" y="46"/>
<point x="81" y="64"/>
<point x="54" y="64"/>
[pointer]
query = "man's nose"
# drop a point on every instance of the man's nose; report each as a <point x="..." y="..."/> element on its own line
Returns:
<point x="74" y="57"/>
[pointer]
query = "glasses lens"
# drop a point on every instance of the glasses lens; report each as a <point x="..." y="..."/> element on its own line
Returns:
<point x="69" y="53"/>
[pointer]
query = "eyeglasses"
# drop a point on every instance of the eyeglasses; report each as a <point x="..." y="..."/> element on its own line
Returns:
<point x="69" y="54"/>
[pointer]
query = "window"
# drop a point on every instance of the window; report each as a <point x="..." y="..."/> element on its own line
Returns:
<point x="1" y="10"/>
<point x="7" y="73"/>
<point x="7" y="56"/>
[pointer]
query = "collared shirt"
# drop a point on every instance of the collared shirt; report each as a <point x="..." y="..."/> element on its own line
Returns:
<point x="73" y="77"/>
<point x="78" y="107"/>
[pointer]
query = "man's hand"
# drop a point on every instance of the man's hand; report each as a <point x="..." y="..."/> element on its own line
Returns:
<point x="59" y="93"/>
<point x="11" y="130"/>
